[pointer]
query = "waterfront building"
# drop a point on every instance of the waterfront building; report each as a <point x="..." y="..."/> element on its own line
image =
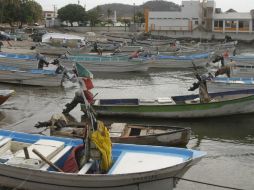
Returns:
<point x="233" y="22"/>
<point x="196" y="15"/>
<point x="193" y="14"/>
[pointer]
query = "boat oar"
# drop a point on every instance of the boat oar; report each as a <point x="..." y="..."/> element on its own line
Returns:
<point x="46" y="160"/>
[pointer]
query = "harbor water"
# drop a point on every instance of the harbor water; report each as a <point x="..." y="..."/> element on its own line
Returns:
<point x="228" y="141"/>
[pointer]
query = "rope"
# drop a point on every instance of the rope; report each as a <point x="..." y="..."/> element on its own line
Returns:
<point x="209" y="184"/>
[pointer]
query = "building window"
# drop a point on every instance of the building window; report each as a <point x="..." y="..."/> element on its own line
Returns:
<point x="244" y="25"/>
<point x="205" y="13"/>
<point x="196" y="22"/>
<point x="218" y="23"/>
<point x="230" y="24"/>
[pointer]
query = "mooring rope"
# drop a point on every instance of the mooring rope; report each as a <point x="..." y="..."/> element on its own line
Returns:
<point x="209" y="184"/>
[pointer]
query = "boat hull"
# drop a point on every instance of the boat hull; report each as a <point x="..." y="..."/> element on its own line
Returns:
<point x="3" y="99"/>
<point x="180" y="138"/>
<point x="25" y="78"/>
<point x="163" y="178"/>
<point x="200" y="110"/>
<point x="225" y="84"/>
<point x="173" y="136"/>
<point x="170" y="63"/>
<point x="108" y="66"/>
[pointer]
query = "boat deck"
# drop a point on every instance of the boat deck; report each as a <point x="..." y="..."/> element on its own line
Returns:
<point x="129" y="162"/>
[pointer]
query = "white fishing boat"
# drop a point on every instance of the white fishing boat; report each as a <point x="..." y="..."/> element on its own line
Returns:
<point x="94" y="63"/>
<point x="219" y="84"/>
<point x="32" y="77"/>
<point x="107" y="64"/>
<point x="24" y="160"/>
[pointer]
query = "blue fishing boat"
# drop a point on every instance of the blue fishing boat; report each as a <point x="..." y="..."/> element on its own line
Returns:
<point x="17" y="56"/>
<point x="183" y="61"/>
<point x="218" y="84"/>
<point x="34" y="77"/>
<point x="25" y="160"/>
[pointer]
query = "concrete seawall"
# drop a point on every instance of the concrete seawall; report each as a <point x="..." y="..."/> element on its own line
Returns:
<point x="195" y="35"/>
<point x="245" y="37"/>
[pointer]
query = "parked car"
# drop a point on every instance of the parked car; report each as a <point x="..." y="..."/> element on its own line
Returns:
<point x="4" y="36"/>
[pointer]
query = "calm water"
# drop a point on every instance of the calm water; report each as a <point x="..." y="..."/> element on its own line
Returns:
<point x="228" y="141"/>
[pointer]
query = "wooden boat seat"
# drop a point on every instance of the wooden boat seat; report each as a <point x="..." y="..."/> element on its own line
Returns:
<point x="143" y="132"/>
<point x="146" y="101"/>
<point x="166" y="100"/>
<point x="5" y="143"/>
<point x="57" y="157"/>
<point x="86" y="167"/>
<point x="48" y="148"/>
<point x="117" y="129"/>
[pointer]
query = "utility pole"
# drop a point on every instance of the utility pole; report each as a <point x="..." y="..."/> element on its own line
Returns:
<point x="134" y="20"/>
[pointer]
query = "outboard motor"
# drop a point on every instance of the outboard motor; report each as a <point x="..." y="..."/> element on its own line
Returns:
<point x="219" y="58"/>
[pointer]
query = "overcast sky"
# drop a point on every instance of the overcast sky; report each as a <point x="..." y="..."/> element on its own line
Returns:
<point x="238" y="5"/>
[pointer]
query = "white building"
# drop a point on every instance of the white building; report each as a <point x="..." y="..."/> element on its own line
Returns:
<point x="50" y="18"/>
<point x="192" y="15"/>
<point x="195" y="14"/>
<point x="233" y="22"/>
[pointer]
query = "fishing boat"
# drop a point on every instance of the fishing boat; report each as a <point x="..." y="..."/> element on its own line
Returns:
<point x="182" y="61"/>
<point x="16" y="56"/>
<point x="218" y="84"/>
<point x="24" y="160"/>
<point x="32" y="77"/>
<point x="94" y="63"/>
<point x="107" y="64"/>
<point x="51" y="50"/>
<point x="133" y="134"/>
<point x="4" y="95"/>
<point x="189" y="106"/>
<point x="243" y="58"/>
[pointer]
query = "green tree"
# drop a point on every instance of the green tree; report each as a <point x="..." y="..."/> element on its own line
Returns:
<point x="139" y="17"/>
<point x="9" y="11"/>
<point x="20" y="11"/>
<point x="72" y="13"/>
<point x="30" y="12"/>
<point x="94" y="16"/>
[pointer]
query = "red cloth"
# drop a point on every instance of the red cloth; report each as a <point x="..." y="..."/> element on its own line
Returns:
<point x="226" y="54"/>
<point x="71" y="165"/>
<point x="88" y="82"/>
<point x="89" y="96"/>
<point x="135" y="54"/>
